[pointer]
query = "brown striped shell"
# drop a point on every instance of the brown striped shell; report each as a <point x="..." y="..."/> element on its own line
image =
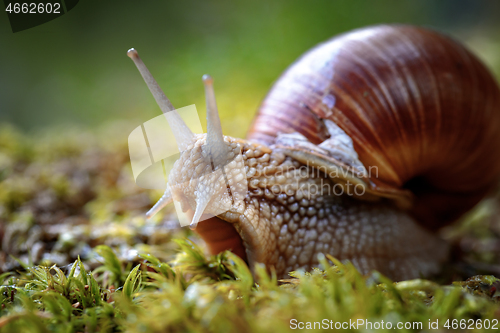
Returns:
<point x="418" y="105"/>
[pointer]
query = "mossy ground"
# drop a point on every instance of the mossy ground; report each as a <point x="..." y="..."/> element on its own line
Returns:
<point x="77" y="255"/>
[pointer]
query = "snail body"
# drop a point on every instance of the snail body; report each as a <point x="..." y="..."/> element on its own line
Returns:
<point x="363" y="148"/>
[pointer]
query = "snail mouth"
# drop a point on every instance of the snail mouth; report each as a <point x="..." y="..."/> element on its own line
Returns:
<point x="220" y="236"/>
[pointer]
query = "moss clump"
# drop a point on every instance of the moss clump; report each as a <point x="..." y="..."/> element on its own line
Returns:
<point x="219" y="294"/>
<point x="77" y="255"/>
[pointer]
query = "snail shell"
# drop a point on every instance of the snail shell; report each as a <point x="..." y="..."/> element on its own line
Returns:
<point x="417" y="105"/>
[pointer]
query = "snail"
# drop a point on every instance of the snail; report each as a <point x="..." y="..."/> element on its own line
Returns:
<point x="365" y="147"/>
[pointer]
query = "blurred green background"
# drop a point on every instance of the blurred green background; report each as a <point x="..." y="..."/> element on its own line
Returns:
<point x="74" y="69"/>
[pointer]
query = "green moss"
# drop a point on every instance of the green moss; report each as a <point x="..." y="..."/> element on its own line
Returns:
<point x="77" y="255"/>
<point x="220" y="294"/>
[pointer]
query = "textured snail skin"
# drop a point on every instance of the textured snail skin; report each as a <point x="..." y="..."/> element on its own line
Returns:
<point x="287" y="231"/>
<point x="417" y="105"/>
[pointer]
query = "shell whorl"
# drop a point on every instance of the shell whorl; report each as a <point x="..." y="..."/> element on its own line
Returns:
<point x="417" y="105"/>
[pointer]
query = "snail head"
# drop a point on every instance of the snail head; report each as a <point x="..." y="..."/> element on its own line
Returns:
<point x="209" y="177"/>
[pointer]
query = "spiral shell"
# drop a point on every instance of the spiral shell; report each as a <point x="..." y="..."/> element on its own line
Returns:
<point x="418" y="106"/>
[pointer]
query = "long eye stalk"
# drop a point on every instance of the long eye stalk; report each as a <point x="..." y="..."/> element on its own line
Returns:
<point x="182" y="133"/>
<point x="215" y="139"/>
<point x="217" y="148"/>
